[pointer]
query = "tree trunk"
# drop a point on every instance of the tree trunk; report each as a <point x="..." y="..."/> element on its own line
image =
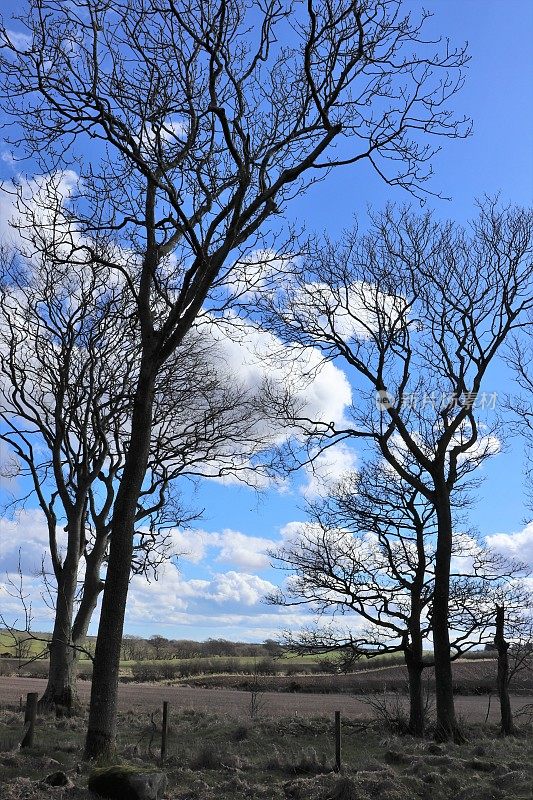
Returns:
<point x="507" y="724"/>
<point x="92" y="587"/>
<point x="60" y="692"/>
<point x="414" y="659"/>
<point x="101" y="732"/>
<point x="68" y="635"/>
<point x="447" y="726"/>
<point x="416" y="697"/>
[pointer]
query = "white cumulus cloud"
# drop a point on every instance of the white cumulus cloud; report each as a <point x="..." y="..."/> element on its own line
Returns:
<point x="327" y="469"/>
<point x="517" y="545"/>
<point x="227" y="546"/>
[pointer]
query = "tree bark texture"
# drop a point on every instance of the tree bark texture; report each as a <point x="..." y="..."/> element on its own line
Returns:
<point x="447" y="725"/>
<point x="101" y="732"/>
<point x="502" y="646"/>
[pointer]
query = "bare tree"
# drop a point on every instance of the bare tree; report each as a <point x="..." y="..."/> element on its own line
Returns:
<point x="67" y="362"/>
<point x="419" y="310"/>
<point x="513" y="641"/>
<point x="519" y="355"/>
<point x="201" y="123"/>
<point x="365" y="554"/>
<point x="368" y="556"/>
<point x="56" y="416"/>
<point x="159" y="645"/>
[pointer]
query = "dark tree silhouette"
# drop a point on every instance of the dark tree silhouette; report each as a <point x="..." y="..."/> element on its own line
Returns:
<point x="366" y="562"/>
<point x="418" y="309"/>
<point x="68" y="367"/>
<point x="192" y="126"/>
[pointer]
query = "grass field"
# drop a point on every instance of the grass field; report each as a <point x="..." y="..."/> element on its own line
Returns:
<point x="218" y="757"/>
<point x="185" y="668"/>
<point x="29" y="649"/>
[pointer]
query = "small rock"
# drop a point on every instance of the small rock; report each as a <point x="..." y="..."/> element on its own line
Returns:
<point x="127" y="783"/>
<point x="47" y="763"/>
<point x="58" y="778"/>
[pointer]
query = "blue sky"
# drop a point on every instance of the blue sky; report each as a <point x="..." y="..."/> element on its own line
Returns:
<point x="218" y="588"/>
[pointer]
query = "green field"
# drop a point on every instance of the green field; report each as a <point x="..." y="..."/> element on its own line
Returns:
<point x="26" y="649"/>
<point x="29" y="646"/>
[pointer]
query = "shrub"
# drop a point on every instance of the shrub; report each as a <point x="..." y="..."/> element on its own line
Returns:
<point x="6" y="668"/>
<point x="292" y="669"/>
<point x="209" y="756"/>
<point x="37" y="669"/>
<point x="240" y="733"/>
<point x="170" y="670"/>
<point x="328" y="666"/>
<point x="390" y="712"/>
<point x="145" y="671"/>
<point x="267" y="666"/>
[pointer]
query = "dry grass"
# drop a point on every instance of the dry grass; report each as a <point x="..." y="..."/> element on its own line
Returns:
<point x="214" y="757"/>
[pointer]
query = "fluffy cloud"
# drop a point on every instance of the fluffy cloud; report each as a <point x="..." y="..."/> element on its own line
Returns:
<point x="248" y="552"/>
<point x="38" y="201"/>
<point x="190" y="545"/>
<point x="354" y="311"/>
<point x="27" y="532"/>
<point x="488" y="445"/>
<point x="291" y="532"/>
<point x="517" y="545"/>
<point x="226" y="598"/>
<point x="239" y="588"/>
<point x="226" y="546"/>
<point x="327" y="470"/>
<point x="173" y="592"/>
<point x="24" y="537"/>
<point x="213" y="602"/>
<point x="14" y="612"/>
<point x="250" y="356"/>
<point x="19" y="39"/>
<point x="9" y="468"/>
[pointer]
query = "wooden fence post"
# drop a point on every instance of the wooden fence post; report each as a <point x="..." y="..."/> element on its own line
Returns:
<point x="338" y="758"/>
<point x="164" y="731"/>
<point x="29" y="719"/>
